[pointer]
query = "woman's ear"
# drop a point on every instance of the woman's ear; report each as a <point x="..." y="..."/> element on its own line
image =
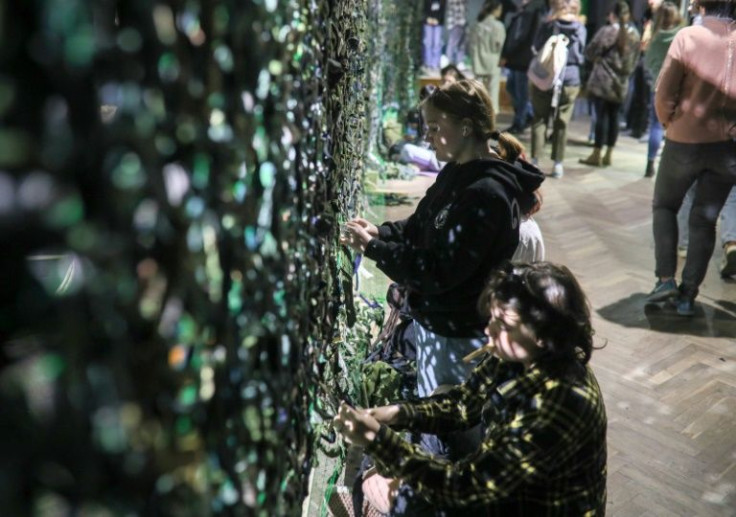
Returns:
<point x="467" y="126"/>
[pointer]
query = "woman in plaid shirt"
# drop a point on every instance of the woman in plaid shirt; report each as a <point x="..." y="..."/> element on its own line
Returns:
<point x="544" y="448"/>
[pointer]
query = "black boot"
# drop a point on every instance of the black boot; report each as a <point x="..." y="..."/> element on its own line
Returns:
<point x="650" y="169"/>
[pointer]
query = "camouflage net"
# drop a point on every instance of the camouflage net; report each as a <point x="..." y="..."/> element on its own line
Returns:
<point x="172" y="176"/>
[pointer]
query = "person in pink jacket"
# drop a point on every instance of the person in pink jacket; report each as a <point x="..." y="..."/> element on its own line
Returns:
<point x="695" y="100"/>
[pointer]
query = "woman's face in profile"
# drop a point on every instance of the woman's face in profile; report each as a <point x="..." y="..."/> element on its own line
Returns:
<point x="510" y="338"/>
<point x="443" y="133"/>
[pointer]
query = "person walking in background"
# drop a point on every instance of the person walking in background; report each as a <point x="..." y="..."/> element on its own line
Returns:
<point x="614" y="52"/>
<point x="516" y="56"/>
<point x="695" y="100"/>
<point x="485" y="45"/>
<point x="563" y="19"/>
<point x="434" y="14"/>
<point x="650" y="22"/>
<point x="638" y="102"/>
<point x="667" y="23"/>
<point x="456" y="21"/>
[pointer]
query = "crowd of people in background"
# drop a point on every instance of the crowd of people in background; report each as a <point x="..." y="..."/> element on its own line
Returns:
<point x="615" y="53"/>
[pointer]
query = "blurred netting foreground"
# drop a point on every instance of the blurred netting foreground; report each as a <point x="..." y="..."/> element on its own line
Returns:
<point x="176" y="314"/>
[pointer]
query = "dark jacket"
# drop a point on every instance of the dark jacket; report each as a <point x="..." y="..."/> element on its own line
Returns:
<point x="577" y="34"/>
<point x="522" y="26"/>
<point x="609" y="78"/>
<point x="434" y="9"/>
<point x="466" y="225"/>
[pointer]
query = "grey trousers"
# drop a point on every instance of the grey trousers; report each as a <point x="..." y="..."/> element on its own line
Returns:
<point x="543" y="111"/>
<point x="713" y="165"/>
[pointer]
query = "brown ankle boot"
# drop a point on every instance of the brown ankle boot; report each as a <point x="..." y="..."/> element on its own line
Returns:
<point x="594" y="158"/>
<point x="606" y="161"/>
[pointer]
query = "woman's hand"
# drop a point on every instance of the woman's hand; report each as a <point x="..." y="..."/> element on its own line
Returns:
<point x="357" y="426"/>
<point x="357" y="236"/>
<point x="389" y="415"/>
<point x="371" y="228"/>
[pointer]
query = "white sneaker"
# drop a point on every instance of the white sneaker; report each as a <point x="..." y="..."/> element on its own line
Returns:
<point x="557" y="170"/>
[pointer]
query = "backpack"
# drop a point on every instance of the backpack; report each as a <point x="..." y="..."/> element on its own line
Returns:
<point x="547" y="66"/>
<point x="517" y="48"/>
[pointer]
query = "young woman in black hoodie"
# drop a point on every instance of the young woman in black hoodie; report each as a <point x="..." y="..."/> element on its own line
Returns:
<point x="466" y="226"/>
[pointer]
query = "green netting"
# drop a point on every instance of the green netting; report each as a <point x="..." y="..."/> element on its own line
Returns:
<point x="175" y="308"/>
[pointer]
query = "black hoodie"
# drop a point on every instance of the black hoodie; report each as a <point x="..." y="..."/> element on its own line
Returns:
<point x="465" y="226"/>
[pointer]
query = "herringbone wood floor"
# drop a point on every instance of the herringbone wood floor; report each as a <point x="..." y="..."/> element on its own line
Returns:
<point x="669" y="382"/>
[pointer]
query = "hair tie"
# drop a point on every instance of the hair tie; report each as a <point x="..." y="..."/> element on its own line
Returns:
<point x="495" y="135"/>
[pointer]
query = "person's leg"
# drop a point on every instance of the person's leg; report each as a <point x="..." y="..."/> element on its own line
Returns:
<point x="728" y="235"/>
<point x="655" y="132"/>
<point x="528" y="109"/>
<point x="591" y="111"/>
<point x="710" y="196"/>
<point x="613" y="109"/>
<point x="427" y="45"/>
<point x="612" y="128"/>
<point x="519" y="83"/>
<point x="638" y="107"/>
<point x="655" y="138"/>
<point x="562" y="120"/>
<point x="714" y="187"/>
<point x="728" y="219"/>
<point x="678" y="170"/>
<point x="511" y="90"/>
<point x="440" y="359"/>
<point x="459" y="56"/>
<point x="452" y="36"/>
<point x="436" y="46"/>
<point x="683" y="219"/>
<point x="487" y="81"/>
<point x="494" y="85"/>
<point x="600" y="123"/>
<point x="541" y="102"/>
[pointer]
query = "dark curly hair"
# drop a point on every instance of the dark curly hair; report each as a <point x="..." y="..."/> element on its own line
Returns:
<point x="549" y="301"/>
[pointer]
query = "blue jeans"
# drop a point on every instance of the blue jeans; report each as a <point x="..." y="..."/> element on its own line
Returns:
<point x="728" y="218"/>
<point x="455" y="51"/>
<point x="440" y="359"/>
<point x="713" y="165"/>
<point x="517" y="85"/>
<point x="656" y="133"/>
<point x="432" y="45"/>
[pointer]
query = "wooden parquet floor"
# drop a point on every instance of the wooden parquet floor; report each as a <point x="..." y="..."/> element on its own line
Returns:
<point x="669" y="382"/>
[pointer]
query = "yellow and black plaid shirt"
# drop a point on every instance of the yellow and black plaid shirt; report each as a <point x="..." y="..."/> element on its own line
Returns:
<point x="543" y="453"/>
